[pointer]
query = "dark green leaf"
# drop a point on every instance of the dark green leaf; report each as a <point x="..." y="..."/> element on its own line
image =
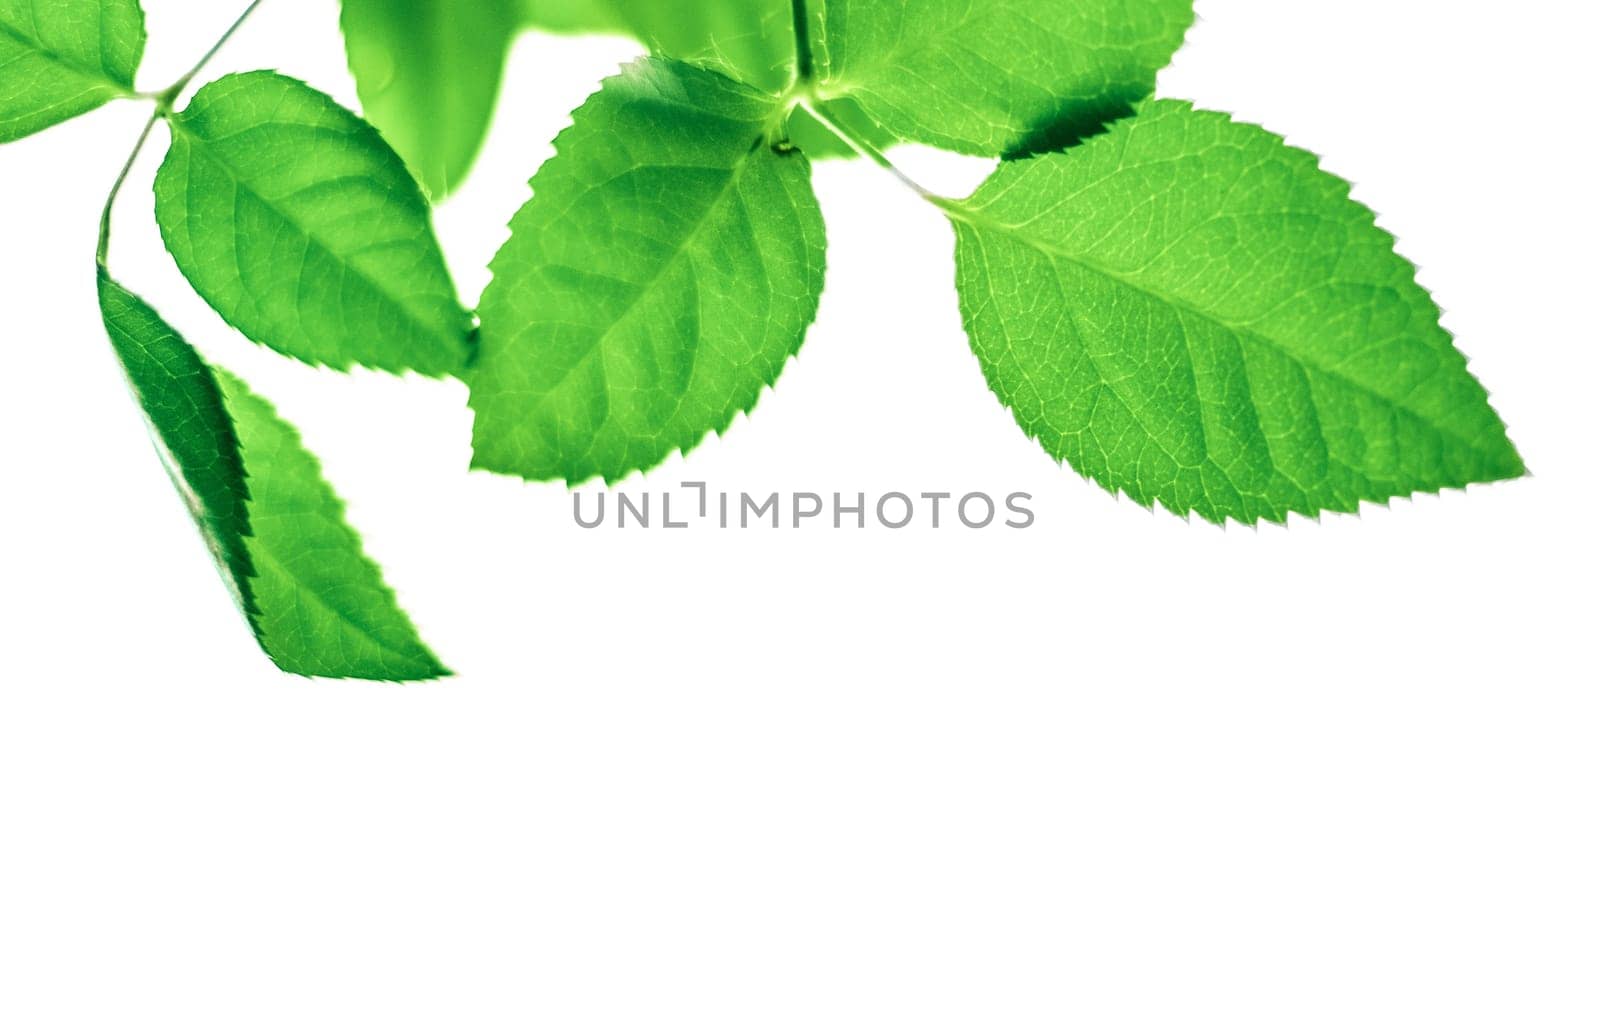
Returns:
<point x="190" y="426"/>
<point x="317" y="604"/>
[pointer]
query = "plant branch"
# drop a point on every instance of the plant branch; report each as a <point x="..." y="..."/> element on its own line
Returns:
<point x="164" y="102"/>
<point x="805" y="66"/>
<point x="169" y="96"/>
<point x="103" y="249"/>
<point x="866" y="150"/>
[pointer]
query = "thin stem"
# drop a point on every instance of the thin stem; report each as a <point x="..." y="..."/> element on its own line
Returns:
<point x="866" y="150"/>
<point x="167" y="97"/>
<point x="164" y="102"/>
<point x="804" y="60"/>
<point x="104" y="248"/>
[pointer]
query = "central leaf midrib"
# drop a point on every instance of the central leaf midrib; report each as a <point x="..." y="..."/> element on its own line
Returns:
<point x="648" y="285"/>
<point x="201" y="143"/>
<point x="978" y="220"/>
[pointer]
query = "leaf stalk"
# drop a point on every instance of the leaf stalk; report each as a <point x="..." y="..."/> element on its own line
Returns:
<point x="867" y="150"/>
<point x="165" y="100"/>
<point x="103" y="249"/>
<point x="169" y="96"/>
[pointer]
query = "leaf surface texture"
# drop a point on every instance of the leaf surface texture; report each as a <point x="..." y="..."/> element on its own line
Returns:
<point x="991" y="77"/>
<point x="62" y="58"/>
<point x="1189" y="311"/>
<point x="317" y="604"/>
<point x="304" y="230"/>
<point x="325" y="610"/>
<point x="664" y="272"/>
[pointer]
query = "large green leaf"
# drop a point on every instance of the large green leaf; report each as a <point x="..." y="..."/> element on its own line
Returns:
<point x="317" y="604"/>
<point x="992" y="77"/>
<point x="428" y="72"/>
<point x="1189" y="311"/>
<point x="62" y="58"/>
<point x="664" y="272"/>
<point x="304" y="230"/>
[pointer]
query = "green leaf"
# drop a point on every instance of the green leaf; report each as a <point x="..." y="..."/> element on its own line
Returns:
<point x="318" y="606"/>
<point x="751" y="41"/>
<point x="991" y="77"/>
<point x="190" y="426"/>
<point x="325" y="610"/>
<point x="663" y="274"/>
<point x="303" y="229"/>
<point x="62" y="58"/>
<point x="1191" y="312"/>
<point x="428" y="72"/>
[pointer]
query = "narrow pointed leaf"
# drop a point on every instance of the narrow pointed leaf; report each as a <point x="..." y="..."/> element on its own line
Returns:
<point x="325" y="610"/>
<point x="317" y="604"/>
<point x="304" y="230"/>
<point x="428" y="72"/>
<point x="991" y="77"/>
<point x="661" y="277"/>
<point x="190" y="426"/>
<point x="62" y="58"/>
<point x="1191" y="312"/>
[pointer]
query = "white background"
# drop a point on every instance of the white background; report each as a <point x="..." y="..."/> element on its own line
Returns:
<point x="1117" y="760"/>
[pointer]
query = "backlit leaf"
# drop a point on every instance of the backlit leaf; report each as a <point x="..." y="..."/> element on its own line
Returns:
<point x="303" y="229"/>
<point x="317" y="604"/>
<point x="1189" y="311"/>
<point x="661" y="277"/>
<point x="62" y="58"/>
<point x="992" y="77"/>
<point x="749" y="40"/>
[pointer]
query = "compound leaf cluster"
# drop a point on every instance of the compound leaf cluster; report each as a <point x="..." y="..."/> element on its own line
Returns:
<point x="1181" y="307"/>
<point x="428" y="72"/>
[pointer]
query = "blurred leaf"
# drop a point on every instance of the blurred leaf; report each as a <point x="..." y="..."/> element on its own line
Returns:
<point x="428" y="72"/>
